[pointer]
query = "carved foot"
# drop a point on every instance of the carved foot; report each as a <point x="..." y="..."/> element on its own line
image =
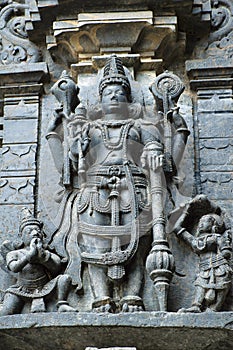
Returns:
<point x="132" y="304"/>
<point x="194" y="309"/>
<point x="38" y="305"/>
<point x="63" y="306"/>
<point x="209" y="309"/>
<point x="105" y="304"/>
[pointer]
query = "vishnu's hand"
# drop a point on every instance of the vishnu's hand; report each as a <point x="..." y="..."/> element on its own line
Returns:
<point x="152" y="160"/>
<point x="56" y="120"/>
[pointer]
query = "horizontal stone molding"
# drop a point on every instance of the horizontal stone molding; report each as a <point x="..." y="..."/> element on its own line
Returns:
<point x="210" y="72"/>
<point x="144" y="330"/>
<point x="24" y="73"/>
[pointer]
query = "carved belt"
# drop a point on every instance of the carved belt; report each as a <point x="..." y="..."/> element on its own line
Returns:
<point x="94" y="180"/>
<point x="95" y="175"/>
<point x="114" y="170"/>
<point x="109" y="258"/>
<point x="108" y="232"/>
<point x="32" y="284"/>
<point x="213" y="262"/>
<point x="33" y="291"/>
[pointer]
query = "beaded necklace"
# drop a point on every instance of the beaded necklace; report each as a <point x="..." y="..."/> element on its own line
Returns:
<point x="124" y="129"/>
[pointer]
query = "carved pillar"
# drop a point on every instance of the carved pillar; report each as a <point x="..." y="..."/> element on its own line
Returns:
<point x="211" y="79"/>
<point x="213" y="127"/>
<point x="21" y="78"/>
<point x="20" y="91"/>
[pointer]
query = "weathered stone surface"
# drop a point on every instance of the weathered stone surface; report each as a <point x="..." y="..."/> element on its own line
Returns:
<point x="145" y="331"/>
<point x="115" y="348"/>
<point x="149" y="36"/>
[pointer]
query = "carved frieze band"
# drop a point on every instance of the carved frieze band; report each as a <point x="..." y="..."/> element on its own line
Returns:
<point x="18" y="190"/>
<point x="19" y="149"/>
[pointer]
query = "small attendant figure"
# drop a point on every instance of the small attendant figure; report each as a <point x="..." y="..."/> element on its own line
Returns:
<point x="37" y="270"/>
<point x="213" y="244"/>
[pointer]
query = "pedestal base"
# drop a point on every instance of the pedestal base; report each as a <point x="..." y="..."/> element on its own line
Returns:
<point x="142" y="330"/>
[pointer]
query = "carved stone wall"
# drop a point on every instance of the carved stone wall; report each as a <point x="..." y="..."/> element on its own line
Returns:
<point x="39" y="39"/>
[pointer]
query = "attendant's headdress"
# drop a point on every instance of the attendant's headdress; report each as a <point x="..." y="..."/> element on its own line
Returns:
<point x="28" y="219"/>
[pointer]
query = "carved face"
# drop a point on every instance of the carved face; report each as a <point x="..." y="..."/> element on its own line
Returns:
<point x="29" y="232"/>
<point x="114" y="100"/>
<point x="217" y="17"/>
<point x="211" y="224"/>
<point x="205" y="224"/>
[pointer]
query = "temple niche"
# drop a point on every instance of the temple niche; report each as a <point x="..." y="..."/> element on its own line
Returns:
<point x="116" y="174"/>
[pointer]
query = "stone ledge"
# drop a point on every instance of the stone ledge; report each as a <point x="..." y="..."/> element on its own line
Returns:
<point x="143" y="330"/>
<point x="26" y="73"/>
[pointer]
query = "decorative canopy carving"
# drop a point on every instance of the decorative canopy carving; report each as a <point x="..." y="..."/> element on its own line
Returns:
<point x="127" y="33"/>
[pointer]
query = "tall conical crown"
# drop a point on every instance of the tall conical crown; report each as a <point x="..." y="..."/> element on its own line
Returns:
<point x="114" y="73"/>
<point x="28" y="219"/>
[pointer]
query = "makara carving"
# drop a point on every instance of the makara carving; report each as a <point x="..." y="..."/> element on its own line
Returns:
<point x="220" y="40"/>
<point x="15" y="46"/>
